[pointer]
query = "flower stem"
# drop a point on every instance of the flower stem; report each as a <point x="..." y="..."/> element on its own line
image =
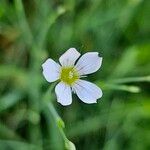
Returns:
<point x="132" y="79"/>
<point x="59" y="122"/>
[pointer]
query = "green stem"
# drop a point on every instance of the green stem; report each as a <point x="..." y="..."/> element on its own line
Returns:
<point x="128" y="88"/>
<point x="23" y="22"/>
<point x="132" y="79"/>
<point x="59" y="122"/>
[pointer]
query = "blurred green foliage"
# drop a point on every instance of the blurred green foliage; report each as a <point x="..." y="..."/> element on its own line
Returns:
<point x="33" y="30"/>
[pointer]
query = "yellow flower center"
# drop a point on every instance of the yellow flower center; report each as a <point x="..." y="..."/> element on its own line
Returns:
<point x="69" y="75"/>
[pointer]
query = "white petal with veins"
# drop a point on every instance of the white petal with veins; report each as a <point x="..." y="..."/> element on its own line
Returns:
<point x="88" y="63"/>
<point x="63" y="93"/>
<point x="51" y="70"/>
<point x="69" y="57"/>
<point x="87" y="91"/>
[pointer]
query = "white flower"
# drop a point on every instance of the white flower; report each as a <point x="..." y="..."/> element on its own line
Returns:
<point x="69" y="74"/>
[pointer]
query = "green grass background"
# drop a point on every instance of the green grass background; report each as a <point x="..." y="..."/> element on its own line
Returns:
<point x="32" y="31"/>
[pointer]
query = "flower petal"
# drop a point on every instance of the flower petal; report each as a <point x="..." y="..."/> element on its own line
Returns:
<point x="63" y="93"/>
<point x="89" y="63"/>
<point x="69" y="57"/>
<point x="51" y="70"/>
<point x="87" y="91"/>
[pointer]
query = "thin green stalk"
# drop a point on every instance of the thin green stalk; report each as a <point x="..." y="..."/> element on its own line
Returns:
<point x="59" y="122"/>
<point x="120" y="87"/>
<point x="49" y="21"/>
<point x="35" y="132"/>
<point x="128" y="88"/>
<point x="132" y="79"/>
<point x="23" y="22"/>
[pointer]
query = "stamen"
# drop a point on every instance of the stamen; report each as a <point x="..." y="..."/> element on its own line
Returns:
<point x="70" y="75"/>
